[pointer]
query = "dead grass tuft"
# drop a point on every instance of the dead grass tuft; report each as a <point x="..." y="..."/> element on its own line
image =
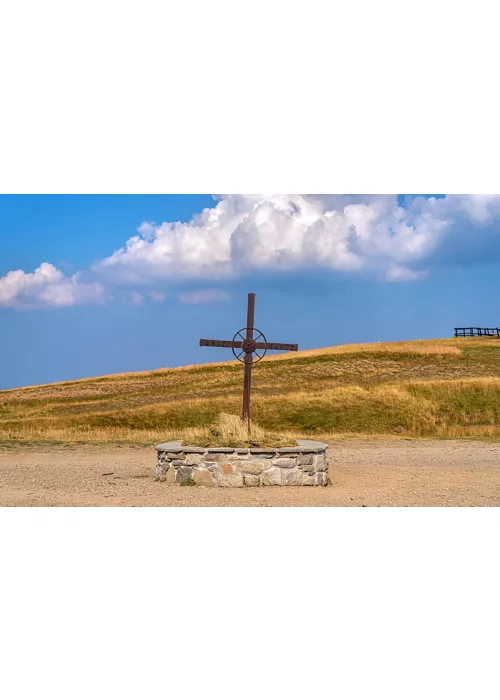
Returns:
<point x="231" y="431"/>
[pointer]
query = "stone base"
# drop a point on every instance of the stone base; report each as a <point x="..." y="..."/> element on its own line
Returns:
<point x="304" y="465"/>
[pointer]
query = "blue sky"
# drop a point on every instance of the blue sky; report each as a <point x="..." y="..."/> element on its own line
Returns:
<point x="77" y="300"/>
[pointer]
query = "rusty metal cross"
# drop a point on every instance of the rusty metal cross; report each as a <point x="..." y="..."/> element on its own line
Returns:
<point x="247" y="345"/>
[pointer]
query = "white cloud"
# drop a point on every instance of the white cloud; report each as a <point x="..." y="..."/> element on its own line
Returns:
<point x="204" y="296"/>
<point x="283" y="232"/>
<point x="243" y="233"/>
<point x="47" y="287"/>
<point x="136" y="299"/>
<point x="398" y="273"/>
<point x="159" y="297"/>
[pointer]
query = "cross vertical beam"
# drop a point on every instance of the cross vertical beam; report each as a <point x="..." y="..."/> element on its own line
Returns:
<point x="248" y="361"/>
<point x="247" y="346"/>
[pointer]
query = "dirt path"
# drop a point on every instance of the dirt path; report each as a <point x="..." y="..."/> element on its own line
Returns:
<point x="363" y="473"/>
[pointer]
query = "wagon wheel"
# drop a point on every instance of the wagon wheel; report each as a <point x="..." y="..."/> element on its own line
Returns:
<point x="248" y="345"/>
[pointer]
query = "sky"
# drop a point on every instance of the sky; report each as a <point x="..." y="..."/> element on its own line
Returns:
<point x="100" y="284"/>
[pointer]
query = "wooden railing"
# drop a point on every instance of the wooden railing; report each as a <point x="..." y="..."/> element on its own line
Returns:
<point x="484" y="332"/>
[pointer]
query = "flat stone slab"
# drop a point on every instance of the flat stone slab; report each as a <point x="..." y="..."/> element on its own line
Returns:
<point x="220" y="450"/>
<point x="311" y="446"/>
<point x="302" y="446"/>
<point x="176" y="446"/>
<point x="172" y="446"/>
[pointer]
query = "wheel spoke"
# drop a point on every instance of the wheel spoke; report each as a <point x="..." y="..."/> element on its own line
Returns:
<point x="239" y="336"/>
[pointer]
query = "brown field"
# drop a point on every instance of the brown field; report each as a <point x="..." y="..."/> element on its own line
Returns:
<point x="446" y="388"/>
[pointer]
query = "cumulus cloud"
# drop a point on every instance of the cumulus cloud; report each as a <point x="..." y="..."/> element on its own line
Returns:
<point x="204" y="296"/>
<point x="357" y="234"/>
<point x="47" y="287"/>
<point x="352" y="233"/>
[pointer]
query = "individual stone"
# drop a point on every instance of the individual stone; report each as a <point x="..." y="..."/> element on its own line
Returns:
<point x="284" y="463"/>
<point x="175" y="455"/>
<point x="251" y="480"/>
<point x="161" y="470"/>
<point x="192" y="459"/>
<point x="220" y="458"/>
<point x="227" y="468"/>
<point x="291" y="477"/>
<point x="170" y="477"/>
<point x="183" y="473"/>
<point x="211" y="466"/>
<point x="230" y="480"/>
<point x="307" y="479"/>
<point x="252" y="466"/>
<point x="305" y="460"/>
<point x="167" y="446"/>
<point x="312" y="446"/>
<point x="271" y="477"/>
<point x="320" y="463"/>
<point x="262" y="453"/>
<point x="178" y="462"/>
<point x="320" y="479"/>
<point x="220" y="450"/>
<point x="202" y="477"/>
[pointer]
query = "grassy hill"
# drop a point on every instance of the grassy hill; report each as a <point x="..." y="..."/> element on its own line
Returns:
<point x="431" y="388"/>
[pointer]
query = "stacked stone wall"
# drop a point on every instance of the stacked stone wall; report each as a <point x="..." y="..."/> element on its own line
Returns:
<point x="304" y="465"/>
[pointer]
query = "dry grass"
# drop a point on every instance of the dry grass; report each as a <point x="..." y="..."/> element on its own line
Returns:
<point x="432" y="388"/>
<point x="229" y="430"/>
<point x="414" y="347"/>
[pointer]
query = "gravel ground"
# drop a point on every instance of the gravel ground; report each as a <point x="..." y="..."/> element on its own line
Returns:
<point x="363" y="473"/>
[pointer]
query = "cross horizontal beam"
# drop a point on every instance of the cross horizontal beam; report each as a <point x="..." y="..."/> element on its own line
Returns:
<point x="220" y="343"/>
<point x="276" y="346"/>
<point x="238" y="344"/>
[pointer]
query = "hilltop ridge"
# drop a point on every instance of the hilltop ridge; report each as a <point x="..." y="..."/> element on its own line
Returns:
<point x="425" y="388"/>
